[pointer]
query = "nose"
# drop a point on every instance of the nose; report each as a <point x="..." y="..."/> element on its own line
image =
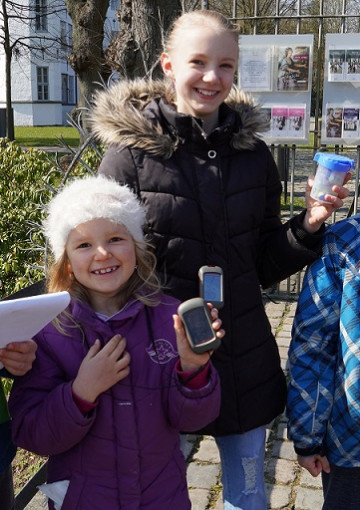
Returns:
<point x="102" y="253"/>
<point x="210" y="76"/>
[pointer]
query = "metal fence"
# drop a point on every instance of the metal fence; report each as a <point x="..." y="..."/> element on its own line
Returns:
<point x="294" y="162"/>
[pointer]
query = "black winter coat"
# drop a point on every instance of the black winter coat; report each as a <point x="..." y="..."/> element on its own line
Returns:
<point x="211" y="200"/>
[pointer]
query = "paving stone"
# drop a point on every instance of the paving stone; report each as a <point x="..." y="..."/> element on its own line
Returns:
<point x="208" y="451"/>
<point x="38" y="502"/>
<point x="281" y="470"/>
<point x="279" y="496"/>
<point x="281" y="432"/>
<point x="308" y="499"/>
<point x="202" y="476"/>
<point x="199" y="499"/>
<point x="307" y="480"/>
<point x="283" y="450"/>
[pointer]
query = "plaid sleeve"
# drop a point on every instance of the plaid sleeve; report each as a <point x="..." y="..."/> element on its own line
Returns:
<point x="313" y="352"/>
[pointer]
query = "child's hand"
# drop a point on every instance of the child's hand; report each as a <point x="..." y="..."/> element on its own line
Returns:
<point x="318" y="212"/>
<point x="314" y="464"/>
<point x="102" y="368"/>
<point x="18" y="357"/>
<point x="189" y="359"/>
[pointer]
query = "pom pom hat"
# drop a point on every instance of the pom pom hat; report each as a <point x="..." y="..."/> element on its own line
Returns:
<point x="87" y="199"/>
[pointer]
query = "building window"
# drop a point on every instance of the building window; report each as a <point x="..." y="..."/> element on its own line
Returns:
<point x="41" y="15"/>
<point x="43" y="83"/>
<point x="72" y="95"/>
<point x="68" y="89"/>
<point x="63" y="35"/>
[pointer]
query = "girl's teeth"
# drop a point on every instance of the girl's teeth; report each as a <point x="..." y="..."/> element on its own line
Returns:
<point x="104" y="271"/>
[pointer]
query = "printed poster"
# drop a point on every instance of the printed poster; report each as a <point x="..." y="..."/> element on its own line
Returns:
<point x="279" y="121"/>
<point x="336" y="69"/>
<point x="293" y="68"/>
<point x="297" y="122"/>
<point x="350" y="122"/>
<point x="333" y="121"/>
<point x="283" y="121"/>
<point x="352" y="67"/>
<point x="255" y="68"/>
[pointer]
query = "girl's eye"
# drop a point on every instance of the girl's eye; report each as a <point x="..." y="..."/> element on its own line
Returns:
<point x="197" y="62"/>
<point x="84" y="245"/>
<point x="115" y="239"/>
<point x="228" y="66"/>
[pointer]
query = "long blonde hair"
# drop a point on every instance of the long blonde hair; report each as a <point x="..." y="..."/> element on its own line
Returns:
<point x="196" y="19"/>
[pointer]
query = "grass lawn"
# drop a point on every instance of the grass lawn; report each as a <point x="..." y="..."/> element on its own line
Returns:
<point x="45" y="136"/>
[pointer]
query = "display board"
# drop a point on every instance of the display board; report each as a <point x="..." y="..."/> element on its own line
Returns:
<point x="341" y="95"/>
<point x="277" y="71"/>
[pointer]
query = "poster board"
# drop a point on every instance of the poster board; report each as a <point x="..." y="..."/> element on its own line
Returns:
<point x="341" y="96"/>
<point x="277" y="71"/>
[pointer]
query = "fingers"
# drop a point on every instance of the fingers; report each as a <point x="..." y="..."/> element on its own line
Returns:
<point x="216" y="324"/>
<point x="18" y="357"/>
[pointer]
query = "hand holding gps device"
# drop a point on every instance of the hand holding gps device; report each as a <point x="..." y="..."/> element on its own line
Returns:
<point x="197" y="321"/>
<point x="211" y="285"/>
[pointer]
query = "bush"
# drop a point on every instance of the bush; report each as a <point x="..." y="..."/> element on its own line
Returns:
<point x="28" y="179"/>
<point x="22" y="189"/>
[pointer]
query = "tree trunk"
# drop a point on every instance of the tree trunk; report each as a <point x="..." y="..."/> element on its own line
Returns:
<point x="10" y="131"/>
<point x="136" y="50"/>
<point x="8" y="56"/>
<point x="87" y="56"/>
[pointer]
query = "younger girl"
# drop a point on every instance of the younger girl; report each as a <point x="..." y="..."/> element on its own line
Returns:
<point x="113" y="383"/>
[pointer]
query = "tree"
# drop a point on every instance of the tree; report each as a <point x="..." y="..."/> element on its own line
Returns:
<point x="87" y="55"/>
<point x="136" y="49"/>
<point x="17" y="37"/>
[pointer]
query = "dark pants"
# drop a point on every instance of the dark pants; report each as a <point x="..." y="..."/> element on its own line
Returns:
<point x="7" y="501"/>
<point x="341" y="488"/>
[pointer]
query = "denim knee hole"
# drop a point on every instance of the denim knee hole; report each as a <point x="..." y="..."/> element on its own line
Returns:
<point x="249" y="466"/>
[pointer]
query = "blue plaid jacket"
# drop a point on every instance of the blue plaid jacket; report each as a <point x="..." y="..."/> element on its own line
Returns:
<point x="323" y="405"/>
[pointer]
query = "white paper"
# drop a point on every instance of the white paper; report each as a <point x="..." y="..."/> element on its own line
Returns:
<point x="55" y="491"/>
<point x="21" y="319"/>
<point x="255" y="68"/>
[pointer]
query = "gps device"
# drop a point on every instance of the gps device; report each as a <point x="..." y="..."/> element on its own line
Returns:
<point x="211" y="285"/>
<point x="197" y="321"/>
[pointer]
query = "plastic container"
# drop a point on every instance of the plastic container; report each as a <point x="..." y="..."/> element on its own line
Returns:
<point x="331" y="171"/>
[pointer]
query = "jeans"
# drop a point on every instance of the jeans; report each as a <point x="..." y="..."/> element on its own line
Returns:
<point x="242" y="462"/>
<point x="341" y="488"/>
<point x="7" y="501"/>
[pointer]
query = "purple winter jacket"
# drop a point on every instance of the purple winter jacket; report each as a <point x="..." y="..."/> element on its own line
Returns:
<point x="125" y="454"/>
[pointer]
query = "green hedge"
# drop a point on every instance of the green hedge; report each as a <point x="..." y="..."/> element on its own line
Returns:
<point x="27" y="180"/>
<point x="22" y="187"/>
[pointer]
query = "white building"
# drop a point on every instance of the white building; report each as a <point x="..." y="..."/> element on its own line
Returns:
<point x="44" y="86"/>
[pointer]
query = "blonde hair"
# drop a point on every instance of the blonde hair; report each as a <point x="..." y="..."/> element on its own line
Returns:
<point x="143" y="284"/>
<point x="196" y="19"/>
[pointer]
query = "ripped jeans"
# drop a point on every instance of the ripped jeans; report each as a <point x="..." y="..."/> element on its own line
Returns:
<point x="242" y="463"/>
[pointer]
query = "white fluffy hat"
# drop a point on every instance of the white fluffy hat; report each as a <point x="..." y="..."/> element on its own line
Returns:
<point x="87" y="199"/>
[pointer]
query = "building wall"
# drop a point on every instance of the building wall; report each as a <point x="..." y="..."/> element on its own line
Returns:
<point x="30" y="108"/>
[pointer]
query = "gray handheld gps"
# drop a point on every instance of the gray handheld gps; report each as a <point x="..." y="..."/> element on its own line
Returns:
<point x="197" y="321"/>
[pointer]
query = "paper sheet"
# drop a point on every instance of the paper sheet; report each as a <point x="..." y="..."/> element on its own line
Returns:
<point x="21" y="319"/>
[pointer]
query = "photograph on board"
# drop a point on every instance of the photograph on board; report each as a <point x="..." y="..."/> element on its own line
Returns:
<point x="293" y="68"/>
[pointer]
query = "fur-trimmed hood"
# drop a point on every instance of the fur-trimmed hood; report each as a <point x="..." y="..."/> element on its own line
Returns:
<point x="117" y="117"/>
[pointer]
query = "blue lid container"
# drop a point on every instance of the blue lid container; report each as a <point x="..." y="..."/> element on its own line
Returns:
<point x="334" y="162"/>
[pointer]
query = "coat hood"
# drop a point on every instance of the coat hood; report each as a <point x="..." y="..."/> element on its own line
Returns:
<point x="117" y="117"/>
